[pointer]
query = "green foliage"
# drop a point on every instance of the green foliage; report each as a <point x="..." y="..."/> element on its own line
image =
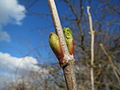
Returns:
<point x="69" y="40"/>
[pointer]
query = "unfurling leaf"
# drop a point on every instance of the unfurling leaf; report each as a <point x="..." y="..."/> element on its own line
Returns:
<point x="56" y="47"/>
<point x="69" y="40"/>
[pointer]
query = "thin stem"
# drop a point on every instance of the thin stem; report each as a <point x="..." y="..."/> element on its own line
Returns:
<point x="58" y="27"/>
<point x="92" y="32"/>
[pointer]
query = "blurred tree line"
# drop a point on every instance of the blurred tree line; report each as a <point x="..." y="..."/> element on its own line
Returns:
<point x="106" y="22"/>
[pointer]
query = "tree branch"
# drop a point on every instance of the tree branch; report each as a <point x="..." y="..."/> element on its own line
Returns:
<point x="72" y="8"/>
<point x="92" y="32"/>
<point x="115" y="70"/>
<point x="58" y="27"/>
<point x="69" y="68"/>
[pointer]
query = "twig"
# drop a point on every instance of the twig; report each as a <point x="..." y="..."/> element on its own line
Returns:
<point x="72" y="7"/>
<point x="69" y="68"/>
<point x="58" y="27"/>
<point x="116" y="72"/>
<point x="92" y="32"/>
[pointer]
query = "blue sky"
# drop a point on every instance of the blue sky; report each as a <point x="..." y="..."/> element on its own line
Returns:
<point x="24" y="36"/>
<point x="32" y="33"/>
<point x="24" y="33"/>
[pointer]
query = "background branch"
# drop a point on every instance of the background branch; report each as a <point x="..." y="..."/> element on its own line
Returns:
<point x="92" y="47"/>
<point x="115" y="70"/>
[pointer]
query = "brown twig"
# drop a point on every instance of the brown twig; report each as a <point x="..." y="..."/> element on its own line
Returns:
<point x="92" y="32"/>
<point x="116" y="72"/>
<point x="69" y="68"/>
<point x="58" y="27"/>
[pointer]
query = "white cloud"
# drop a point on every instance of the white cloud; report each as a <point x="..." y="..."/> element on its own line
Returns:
<point x="12" y="64"/>
<point x="10" y="12"/>
<point x="15" y="68"/>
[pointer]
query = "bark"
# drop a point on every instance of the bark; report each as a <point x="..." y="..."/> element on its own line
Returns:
<point x="68" y="69"/>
